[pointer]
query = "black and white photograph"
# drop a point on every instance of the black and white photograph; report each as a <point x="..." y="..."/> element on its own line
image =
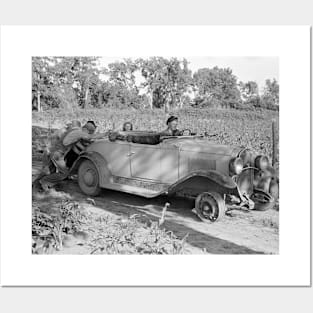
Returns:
<point x="155" y="155"/>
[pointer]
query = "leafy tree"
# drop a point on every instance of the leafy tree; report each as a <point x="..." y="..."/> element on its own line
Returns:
<point x="122" y="83"/>
<point x="217" y="87"/>
<point x="85" y="76"/>
<point x="123" y="73"/>
<point x="65" y="81"/>
<point x="250" y="94"/>
<point x="270" y="97"/>
<point x="41" y="81"/>
<point x="166" y="79"/>
<point x="248" y="90"/>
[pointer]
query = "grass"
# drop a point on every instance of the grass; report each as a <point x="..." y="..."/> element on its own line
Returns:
<point x="69" y="225"/>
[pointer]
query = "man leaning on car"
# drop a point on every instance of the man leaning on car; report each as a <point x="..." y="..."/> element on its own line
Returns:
<point x="78" y="139"/>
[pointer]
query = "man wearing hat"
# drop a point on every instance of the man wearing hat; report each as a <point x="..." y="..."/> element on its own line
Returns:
<point x="78" y="139"/>
<point x="171" y="129"/>
<point x="65" y="145"/>
<point x="90" y="127"/>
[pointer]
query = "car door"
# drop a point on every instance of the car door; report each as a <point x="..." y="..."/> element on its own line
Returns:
<point x="117" y="155"/>
<point x="169" y="163"/>
<point x="145" y="161"/>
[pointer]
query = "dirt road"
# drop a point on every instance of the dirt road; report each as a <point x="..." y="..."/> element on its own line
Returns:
<point x="241" y="233"/>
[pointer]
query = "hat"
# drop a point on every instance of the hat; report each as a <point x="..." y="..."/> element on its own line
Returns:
<point x="93" y="123"/>
<point x="90" y="126"/>
<point x="171" y="119"/>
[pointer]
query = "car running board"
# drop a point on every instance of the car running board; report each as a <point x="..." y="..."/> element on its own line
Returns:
<point x="147" y="193"/>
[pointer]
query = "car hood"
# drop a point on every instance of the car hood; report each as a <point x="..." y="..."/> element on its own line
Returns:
<point x="202" y="145"/>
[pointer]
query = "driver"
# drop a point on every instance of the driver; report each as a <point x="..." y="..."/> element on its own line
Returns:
<point x="171" y="129"/>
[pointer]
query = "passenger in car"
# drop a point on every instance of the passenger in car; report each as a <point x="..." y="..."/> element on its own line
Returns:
<point x="171" y="129"/>
<point x="127" y="126"/>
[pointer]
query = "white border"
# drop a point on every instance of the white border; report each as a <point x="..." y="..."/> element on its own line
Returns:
<point x="291" y="44"/>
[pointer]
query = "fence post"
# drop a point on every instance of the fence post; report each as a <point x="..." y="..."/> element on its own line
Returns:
<point x="274" y="143"/>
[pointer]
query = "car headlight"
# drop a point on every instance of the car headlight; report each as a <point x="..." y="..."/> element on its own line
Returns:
<point x="246" y="156"/>
<point x="262" y="162"/>
<point x="236" y="166"/>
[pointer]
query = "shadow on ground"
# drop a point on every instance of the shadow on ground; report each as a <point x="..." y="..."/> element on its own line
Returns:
<point x="150" y="210"/>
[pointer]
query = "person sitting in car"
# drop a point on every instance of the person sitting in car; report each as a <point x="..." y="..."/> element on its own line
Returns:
<point x="127" y="126"/>
<point x="171" y="129"/>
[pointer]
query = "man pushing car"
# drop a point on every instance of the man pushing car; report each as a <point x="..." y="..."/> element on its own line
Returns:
<point x="64" y="148"/>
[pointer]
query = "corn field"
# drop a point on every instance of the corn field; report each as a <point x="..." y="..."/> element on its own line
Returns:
<point x="251" y="129"/>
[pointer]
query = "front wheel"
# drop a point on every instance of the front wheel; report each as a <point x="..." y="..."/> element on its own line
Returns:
<point x="88" y="178"/>
<point x="210" y="206"/>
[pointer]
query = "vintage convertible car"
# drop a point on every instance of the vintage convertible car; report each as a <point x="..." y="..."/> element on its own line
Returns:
<point x="218" y="177"/>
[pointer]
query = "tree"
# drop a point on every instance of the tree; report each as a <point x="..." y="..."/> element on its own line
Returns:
<point x="85" y="74"/>
<point x="166" y="79"/>
<point x="250" y="94"/>
<point x="65" y="81"/>
<point x="122" y="83"/>
<point x="41" y="81"/>
<point x="248" y="90"/>
<point x="217" y="87"/>
<point x="123" y="73"/>
<point x="270" y="97"/>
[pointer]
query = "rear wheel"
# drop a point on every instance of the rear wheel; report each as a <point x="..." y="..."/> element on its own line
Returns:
<point x="88" y="178"/>
<point x="210" y="206"/>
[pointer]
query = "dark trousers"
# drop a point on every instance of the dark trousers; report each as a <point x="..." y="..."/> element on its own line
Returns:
<point x="70" y="158"/>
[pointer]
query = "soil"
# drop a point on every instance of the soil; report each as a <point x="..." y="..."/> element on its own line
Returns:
<point x="239" y="233"/>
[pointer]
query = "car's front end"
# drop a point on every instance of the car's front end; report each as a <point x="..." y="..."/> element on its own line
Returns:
<point x="256" y="179"/>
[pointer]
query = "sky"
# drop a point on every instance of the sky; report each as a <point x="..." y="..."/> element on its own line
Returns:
<point x="245" y="68"/>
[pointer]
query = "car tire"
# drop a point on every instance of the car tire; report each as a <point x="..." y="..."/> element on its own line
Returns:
<point x="210" y="206"/>
<point x="88" y="178"/>
<point x="262" y="200"/>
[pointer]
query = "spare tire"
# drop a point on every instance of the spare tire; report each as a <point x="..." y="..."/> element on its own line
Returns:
<point x="263" y="201"/>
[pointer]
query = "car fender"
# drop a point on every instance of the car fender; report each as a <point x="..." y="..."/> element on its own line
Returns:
<point x="203" y="181"/>
<point x="105" y="176"/>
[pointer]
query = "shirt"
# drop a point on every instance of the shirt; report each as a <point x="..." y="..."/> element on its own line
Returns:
<point x="75" y="135"/>
<point x="169" y="132"/>
<point x="56" y="140"/>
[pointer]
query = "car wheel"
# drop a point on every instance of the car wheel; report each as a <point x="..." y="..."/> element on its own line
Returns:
<point x="210" y="206"/>
<point x="88" y="178"/>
